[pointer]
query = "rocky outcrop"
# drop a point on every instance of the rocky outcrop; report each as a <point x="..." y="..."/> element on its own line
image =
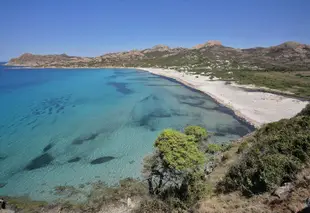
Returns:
<point x="284" y="191"/>
<point x="208" y="44"/>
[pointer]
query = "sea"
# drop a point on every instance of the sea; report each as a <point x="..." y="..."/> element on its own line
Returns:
<point x="73" y="127"/>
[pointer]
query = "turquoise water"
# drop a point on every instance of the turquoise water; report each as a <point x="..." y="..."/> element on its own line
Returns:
<point x="75" y="126"/>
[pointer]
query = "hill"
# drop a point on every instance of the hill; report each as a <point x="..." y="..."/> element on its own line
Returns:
<point x="210" y="56"/>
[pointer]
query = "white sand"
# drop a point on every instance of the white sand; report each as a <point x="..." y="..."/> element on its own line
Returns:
<point x="256" y="107"/>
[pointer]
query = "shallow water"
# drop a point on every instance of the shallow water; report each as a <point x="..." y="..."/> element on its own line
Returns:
<point x="75" y="126"/>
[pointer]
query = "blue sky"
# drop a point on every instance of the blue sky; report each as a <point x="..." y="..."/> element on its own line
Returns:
<point x="94" y="27"/>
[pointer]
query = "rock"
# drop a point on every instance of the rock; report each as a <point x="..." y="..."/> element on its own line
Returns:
<point x="283" y="191"/>
<point x="208" y="44"/>
<point x="130" y="204"/>
<point x="307" y="178"/>
<point x="209" y="167"/>
<point x="214" y="43"/>
<point x="160" y="47"/>
<point x="2" y="185"/>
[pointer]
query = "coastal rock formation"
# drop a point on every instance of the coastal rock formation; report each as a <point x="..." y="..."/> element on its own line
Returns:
<point x="211" y="55"/>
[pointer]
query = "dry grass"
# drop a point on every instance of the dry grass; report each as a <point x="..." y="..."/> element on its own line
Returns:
<point x="220" y="171"/>
<point x="264" y="203"/>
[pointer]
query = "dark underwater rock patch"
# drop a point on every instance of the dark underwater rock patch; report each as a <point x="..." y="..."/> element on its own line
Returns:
<point x="219" y="134"/>
<point x="39" y="162"/>
<point x="73" y="160"/>
<point x="51" y="105"/>
<point x="83" y="138"/>
<point x="194" y="101"/>
<point x="112" y="76"/>
<point x="102" y="160"/>
<point x="150" y="97"/>
<point x="233" y="130"/>
<point x="3" y="157"/>
<point x="121" y="87"/>
<point x="2" y="185"/>
<point x="32" y="122"/>
<point x="48" y="147"/>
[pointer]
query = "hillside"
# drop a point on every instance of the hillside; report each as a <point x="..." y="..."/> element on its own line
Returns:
<point x="209" y="56"/>
<point x="32" y="60"/>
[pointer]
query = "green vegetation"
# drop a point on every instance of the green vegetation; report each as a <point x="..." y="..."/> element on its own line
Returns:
<point x="198" y="132"/>
<point x="175" y="170"/>
<point x="296" y="82"/>
<point x="279" y="151"/>
<point x="244" y="145"/>
<point x="26" y="205"/>
<point x="213" y="148"/>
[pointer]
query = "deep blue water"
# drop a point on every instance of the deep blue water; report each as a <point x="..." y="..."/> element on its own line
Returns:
<point x="75" y="126"/>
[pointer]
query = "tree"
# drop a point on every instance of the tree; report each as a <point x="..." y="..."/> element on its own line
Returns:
<point x="174" y="165"/>
<point x="197" y="132"/>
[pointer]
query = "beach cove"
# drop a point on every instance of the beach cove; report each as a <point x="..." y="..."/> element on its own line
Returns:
<point x="73" y="127"/>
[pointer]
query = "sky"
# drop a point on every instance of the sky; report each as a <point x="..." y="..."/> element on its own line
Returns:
<point x="95" y="27"/>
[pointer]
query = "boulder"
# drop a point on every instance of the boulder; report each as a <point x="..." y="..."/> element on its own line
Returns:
<point x="283" y="191"/>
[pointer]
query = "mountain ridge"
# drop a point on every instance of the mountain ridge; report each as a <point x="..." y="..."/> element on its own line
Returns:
<point x="211" y="55"/>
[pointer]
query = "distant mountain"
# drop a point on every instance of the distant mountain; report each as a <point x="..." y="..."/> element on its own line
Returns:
<point x="32" y="60"/>
<point x="211" y="55"/>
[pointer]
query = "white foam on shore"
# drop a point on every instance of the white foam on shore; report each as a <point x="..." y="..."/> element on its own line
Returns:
<point x="257" y="108"/>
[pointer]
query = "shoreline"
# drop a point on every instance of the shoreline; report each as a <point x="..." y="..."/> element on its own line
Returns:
<point x="255" y="107"/>
<point x="250" y="104"/>
<point x="222" y="108"/>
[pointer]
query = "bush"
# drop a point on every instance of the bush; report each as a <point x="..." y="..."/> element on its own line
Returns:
<point x="213" y="148"/>
<point x="198" y="132"/>
<point x="153" y="206"/>
<point x="279" y="151"/>
<point x="178" y="152"/>
<point x="174" y="171"/>
<point x="226" y="146"/>
<point x="244" y="145"/>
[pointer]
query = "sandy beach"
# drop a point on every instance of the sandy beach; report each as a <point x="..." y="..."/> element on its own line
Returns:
<point x="257" y="108"/>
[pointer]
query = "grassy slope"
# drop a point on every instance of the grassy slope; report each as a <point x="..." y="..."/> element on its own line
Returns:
<point x="286" y="139"/>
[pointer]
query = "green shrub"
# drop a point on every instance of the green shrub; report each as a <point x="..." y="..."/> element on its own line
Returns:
<point x="178" y="152"/>
<point x="244" y="145"/>
<point x="279" y="150"/>
<point x="226" y="146"/>
<point x="198" y="132"/>
<point x="174" y="171"/>
<point x="213" y="148"/>
<point x="153" y="206"/>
